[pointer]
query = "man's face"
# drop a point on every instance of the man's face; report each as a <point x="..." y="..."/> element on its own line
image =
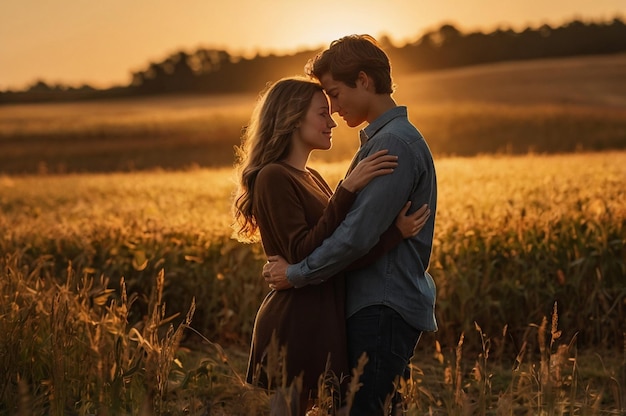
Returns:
<point x="350" y="103"/>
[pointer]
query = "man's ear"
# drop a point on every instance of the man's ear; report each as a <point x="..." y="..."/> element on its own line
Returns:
<point x="366" y="81"/>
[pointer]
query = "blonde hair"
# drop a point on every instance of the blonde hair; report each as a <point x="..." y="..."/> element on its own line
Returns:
<point x="267" y="139"/>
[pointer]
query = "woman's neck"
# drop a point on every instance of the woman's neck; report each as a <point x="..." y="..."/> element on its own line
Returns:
<point x="297" y="159"/>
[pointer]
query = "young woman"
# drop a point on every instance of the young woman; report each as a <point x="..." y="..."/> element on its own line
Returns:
<point x="294" y="210"/>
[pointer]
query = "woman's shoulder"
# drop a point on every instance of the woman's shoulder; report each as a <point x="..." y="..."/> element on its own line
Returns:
<point x="318" y="177"/>
<point x="272" y="170"/>
<point x="274" y="173"/>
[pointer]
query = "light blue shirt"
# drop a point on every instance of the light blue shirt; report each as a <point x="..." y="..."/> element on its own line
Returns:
<point x="399" y="279"/>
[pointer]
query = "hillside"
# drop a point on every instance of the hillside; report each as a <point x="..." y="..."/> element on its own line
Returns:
<point x="588" y="81"/>
<point x="544" y="106"/>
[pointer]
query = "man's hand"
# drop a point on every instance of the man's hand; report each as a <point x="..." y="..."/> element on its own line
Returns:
<point x="275" y="273"/>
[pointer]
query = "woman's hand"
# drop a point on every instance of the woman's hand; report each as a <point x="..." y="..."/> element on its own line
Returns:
<point x="377" y="164"/>
<point x="411" y="225"/>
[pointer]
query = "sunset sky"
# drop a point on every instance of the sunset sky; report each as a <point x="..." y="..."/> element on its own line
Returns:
<point x="101" y="43"/>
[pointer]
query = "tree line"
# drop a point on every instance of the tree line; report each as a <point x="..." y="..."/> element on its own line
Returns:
<point x="210" y="71"/>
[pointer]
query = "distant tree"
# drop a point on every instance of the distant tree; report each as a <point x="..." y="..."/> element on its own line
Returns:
<point x="182" y="76"/>
<point x="217" y="71"/>
<point x="39" y="86"/>
<point x="385" y="42"/>
<point x="448" y="34"/>
<point x="138" y="79"/>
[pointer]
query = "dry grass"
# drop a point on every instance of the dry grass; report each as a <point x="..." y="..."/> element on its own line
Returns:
<point x="515" y="235"/>
<point x="70" y="350"/>
<point x="529" y="256"/>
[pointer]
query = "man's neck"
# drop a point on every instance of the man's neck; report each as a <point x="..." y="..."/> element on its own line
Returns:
<point x="380" y="105"/>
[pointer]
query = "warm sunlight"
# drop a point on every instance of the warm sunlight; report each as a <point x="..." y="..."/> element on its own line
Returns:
<point x="136" y="135"/>
<point x="344" y="18"/>
<point x="101" y="43"/>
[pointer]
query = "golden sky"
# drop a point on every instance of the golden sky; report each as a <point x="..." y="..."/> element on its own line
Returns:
<point x="102" y="42"/>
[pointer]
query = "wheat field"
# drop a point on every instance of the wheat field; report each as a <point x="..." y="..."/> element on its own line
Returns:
<point x="122" y="291"/>
<point x="94" y="264"/>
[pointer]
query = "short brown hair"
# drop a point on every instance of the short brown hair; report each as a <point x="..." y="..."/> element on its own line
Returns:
<point x="346" y="57"/>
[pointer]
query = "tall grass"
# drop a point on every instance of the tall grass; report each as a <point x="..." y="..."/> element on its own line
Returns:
<point x="90" y="261"/>
<point x="510" y="231"/>
<point x="69" y="349"/>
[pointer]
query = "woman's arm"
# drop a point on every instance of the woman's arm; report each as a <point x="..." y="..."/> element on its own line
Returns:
<point x="280" y="195"/>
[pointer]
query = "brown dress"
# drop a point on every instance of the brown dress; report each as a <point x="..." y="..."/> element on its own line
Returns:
<point x="295" y="211"/>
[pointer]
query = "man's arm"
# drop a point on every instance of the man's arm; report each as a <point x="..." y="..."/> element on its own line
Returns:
<point x="405" y="226"/>
<point x="371" y="214"/>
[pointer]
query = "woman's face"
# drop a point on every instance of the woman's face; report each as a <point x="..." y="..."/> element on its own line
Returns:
<point x="315" y="131"/>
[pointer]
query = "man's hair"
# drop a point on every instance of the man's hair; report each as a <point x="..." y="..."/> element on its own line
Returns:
<point x="346" y="57"/>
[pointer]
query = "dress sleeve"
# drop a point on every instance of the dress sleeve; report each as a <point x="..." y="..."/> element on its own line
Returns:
<point x="279" y="201"/>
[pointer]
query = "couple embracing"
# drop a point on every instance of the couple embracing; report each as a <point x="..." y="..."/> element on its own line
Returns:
<point x="347" y="268"/>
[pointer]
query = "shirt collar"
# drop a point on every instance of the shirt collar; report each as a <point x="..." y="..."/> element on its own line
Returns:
<point x="372" y="128"/>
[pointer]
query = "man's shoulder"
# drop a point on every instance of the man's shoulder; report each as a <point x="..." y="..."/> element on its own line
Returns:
<point x="400" y="128"/>
<point x="403" y="123"/>
<point x="403" y="137"/>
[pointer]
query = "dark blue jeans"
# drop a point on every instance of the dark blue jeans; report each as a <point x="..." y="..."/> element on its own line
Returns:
<point x="388" y="341"/>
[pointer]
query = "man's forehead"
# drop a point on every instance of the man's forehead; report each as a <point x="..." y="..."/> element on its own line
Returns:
<point x="328" y="82"/>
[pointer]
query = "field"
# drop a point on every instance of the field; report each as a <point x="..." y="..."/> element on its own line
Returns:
<point x="515" y="236"/>
<point x="124" y="293"/>
<point x="547" y="106"/>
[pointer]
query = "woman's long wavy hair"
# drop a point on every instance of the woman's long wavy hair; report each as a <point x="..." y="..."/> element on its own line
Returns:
<point x="267" y="139"/>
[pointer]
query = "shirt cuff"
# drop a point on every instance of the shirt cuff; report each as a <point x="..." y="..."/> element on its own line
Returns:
<point x="294" y="275"/>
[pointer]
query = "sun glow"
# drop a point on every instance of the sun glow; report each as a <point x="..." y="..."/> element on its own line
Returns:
<point x="101" y="43"/>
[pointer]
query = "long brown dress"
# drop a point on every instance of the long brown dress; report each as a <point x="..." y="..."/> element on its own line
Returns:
<point x="295" y="211"/>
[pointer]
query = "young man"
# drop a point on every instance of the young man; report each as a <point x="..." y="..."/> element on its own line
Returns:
<point x="391" y="302"/>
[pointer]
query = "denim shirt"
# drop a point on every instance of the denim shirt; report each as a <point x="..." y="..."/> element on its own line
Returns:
<point x="399" y="278"/>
